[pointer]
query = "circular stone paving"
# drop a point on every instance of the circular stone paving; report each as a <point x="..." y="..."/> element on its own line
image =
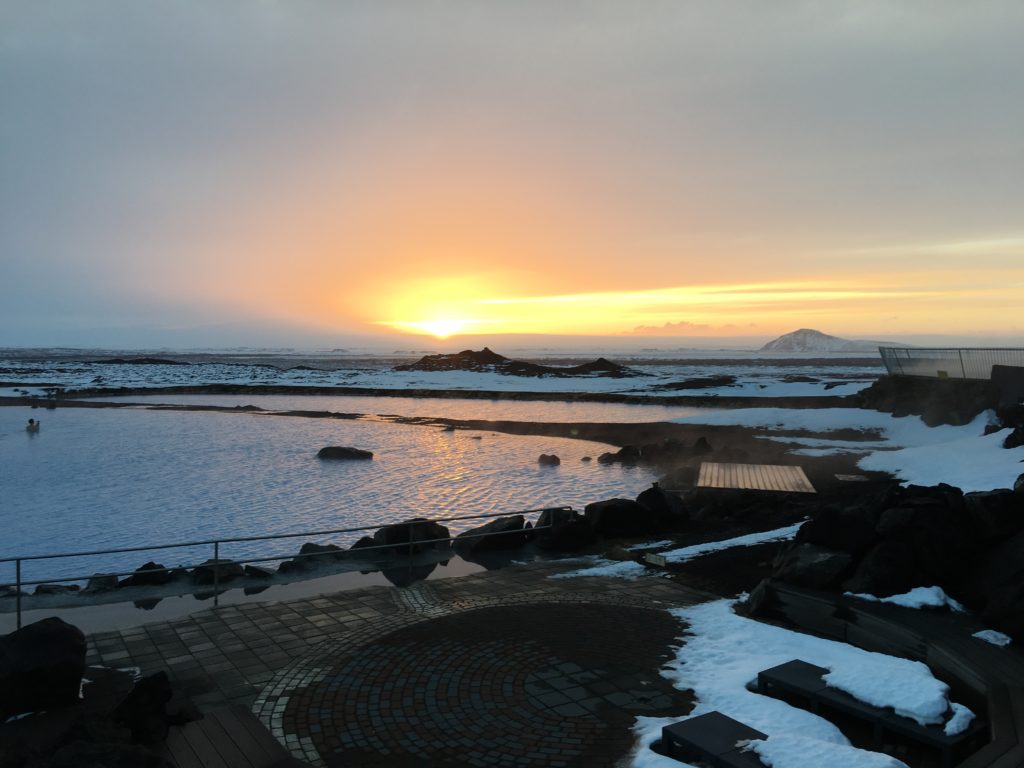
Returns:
<point x="539" y="684"/>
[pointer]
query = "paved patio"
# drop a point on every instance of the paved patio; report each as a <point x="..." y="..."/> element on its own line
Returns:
<point x="505" y="667"/>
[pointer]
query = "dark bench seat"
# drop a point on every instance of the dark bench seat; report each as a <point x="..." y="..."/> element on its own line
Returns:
<point x="712" y="738"/>
<point x="806" y="680"/>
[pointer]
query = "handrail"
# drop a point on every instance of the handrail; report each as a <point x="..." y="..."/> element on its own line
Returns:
<point x="270" y="537"/>
<point x="217" y="562"/>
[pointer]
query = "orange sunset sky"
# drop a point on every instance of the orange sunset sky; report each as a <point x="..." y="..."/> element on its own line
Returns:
<point x="209" y="173"/>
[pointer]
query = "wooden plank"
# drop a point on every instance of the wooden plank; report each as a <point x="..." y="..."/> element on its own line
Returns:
<point x="241" y="752"/>
<point x="206" y="752"/>
<point x="179" y="752"/>
<point x="257" y="731"/>
<point x="760" y="477"/>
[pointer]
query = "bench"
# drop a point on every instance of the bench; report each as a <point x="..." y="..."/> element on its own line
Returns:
<point x="807" y="681"/>
<point x="712" y="738"/>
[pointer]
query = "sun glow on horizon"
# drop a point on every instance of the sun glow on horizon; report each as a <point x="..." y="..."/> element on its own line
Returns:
<point x="440" y="328"/>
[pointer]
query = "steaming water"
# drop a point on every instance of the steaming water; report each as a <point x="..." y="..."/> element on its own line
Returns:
<point x="99" y="479"/>
<point x="438" y="407"/>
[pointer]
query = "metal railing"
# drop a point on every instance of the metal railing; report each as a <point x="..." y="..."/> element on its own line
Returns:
<point x="949" y="362"/>
<point x="348" y="554"/>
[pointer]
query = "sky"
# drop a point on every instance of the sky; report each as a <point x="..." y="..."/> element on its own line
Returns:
<point x="208" y="172"/>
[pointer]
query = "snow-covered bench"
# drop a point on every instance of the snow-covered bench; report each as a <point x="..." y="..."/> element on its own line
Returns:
<point x="807" y="681"/>
<point x="712" y="738"/>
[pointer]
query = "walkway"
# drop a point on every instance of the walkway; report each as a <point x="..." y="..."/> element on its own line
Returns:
<point x="506" y="667"/>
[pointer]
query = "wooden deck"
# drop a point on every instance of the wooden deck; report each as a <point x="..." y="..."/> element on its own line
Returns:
<point x="227" y="738"/>
<point x="758" y="477"/>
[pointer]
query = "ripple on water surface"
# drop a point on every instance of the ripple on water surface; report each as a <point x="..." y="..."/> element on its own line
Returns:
<point x="99" y="479"/>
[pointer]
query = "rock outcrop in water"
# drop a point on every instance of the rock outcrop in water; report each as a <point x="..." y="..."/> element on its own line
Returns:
<point x="343" y="453"/>
<point x="488" y="361"/>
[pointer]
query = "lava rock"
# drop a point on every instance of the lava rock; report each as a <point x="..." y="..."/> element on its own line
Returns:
<point x="255" y="572"/>
<point x="500" y="533"/>
<point x="1015" y="439"/>
<point x="808" y="565"/>
<point x="569" y="535"/>
<point x="887" y="569"/>
<point x="839" y="530"/>
<point x="403" y="537"/>
<point x="101" y="582"/>
<point x="333" y="452"/>
<point x="143" y="710"/>
<point x="620" y="517"/>
<point x="148" y="575"/>
<point x="668" y="509"/>
<point x="225" y="570"/>
<point x="546" y="460"/>
<point x="41" y="667"/>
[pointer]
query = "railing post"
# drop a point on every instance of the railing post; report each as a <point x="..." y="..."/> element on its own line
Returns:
<point x="17" y="589"/>
<point x="963" y="369"/>
<point x="216" y="575"/>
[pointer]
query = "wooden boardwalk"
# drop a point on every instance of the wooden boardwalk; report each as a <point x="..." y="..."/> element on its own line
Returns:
<point x="232" y="737"/>
<point x="758" y="477"/>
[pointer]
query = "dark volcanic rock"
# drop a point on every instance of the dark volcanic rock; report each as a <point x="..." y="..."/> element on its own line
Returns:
<point x="566" y="535"/>
<point x="839" y="530"/>
<point x="887" y="569"/>
<point x="500" y="533"/>
<point x="101" y="582"/>
<point x="41" y="667"/>
<point x="997" y="514"/>
<point x="555" y="516"/>
<point x="142" y="711"/>
<point x="148" y="575"/>
<point x="255" y="572"/>
<point x="668" y="509"/>
<point x="620" y="517"/>
<point x="487" y="361"/>
<point x="548" y="460"/>
<point x="808" y="565"/>
<point x="342" y="452"/>
<point x="403" y="537"/>
<point x="56" y="589"/>
<point x="627" y="454"/>
<point x="226" y="570"/>
<point x="706" y="382"/>
<point x="936" y="401"/>
<point x="1015" y="439"/>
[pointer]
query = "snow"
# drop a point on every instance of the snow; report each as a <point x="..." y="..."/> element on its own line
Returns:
<point x="795" y="751"/>
<point x="970" y="461"/>
<point x="960" y="721"/>
<point x="650" y="545"/>
<point x="723" y="652"/>
<point x="903" y="446"/>
<point x="918" y="597"/>
<point x="631" y="570"/>
<point x="994" y="637"/>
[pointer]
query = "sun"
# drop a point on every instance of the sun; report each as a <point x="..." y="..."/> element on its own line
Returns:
<point x="440" y="329"/>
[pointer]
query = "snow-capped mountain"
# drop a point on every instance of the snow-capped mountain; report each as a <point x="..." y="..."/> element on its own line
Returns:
<point x="809" y="340"/>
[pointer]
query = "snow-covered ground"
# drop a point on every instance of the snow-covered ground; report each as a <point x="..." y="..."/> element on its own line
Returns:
<point x="918" y="597"/>
<point x="723" y="653"/>
<point x="903" y="446"/>
<point x="631" y="570"/>
<point x="756" y="378"/>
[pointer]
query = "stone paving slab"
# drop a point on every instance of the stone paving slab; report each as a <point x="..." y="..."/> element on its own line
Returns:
<point x="261" y="655"/>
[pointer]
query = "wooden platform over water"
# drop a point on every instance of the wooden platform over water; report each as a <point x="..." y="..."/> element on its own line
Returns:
<point x="757" y="477"/>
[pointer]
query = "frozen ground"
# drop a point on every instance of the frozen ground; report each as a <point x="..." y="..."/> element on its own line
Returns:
<point x="903" y="446"/>
<point x="918" y="597"/>
<point x="723" y="652"/>
<point x="756" y="377"/>
<point x="631" y="570"/>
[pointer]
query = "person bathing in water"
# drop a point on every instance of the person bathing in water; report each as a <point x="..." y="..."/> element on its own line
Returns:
<point x="33" y="426"/>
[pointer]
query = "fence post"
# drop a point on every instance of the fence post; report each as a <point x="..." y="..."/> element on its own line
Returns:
<point x="216" y="574"/>
<point x="963" y="369"/>
<point x="17" y="589"/>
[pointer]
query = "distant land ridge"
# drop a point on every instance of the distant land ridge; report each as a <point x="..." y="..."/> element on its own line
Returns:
<point x="810" y="340"/>
<point x="488" y="361"/>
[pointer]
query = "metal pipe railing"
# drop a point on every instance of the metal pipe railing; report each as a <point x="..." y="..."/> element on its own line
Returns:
<point x="348" y="554"/>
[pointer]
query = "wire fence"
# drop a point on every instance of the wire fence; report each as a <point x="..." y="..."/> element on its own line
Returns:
<point x="949" y="362"/>
<point x="216" y="565"/>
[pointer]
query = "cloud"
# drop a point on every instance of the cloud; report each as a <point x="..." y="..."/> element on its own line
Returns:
<point x="685" y="328"/>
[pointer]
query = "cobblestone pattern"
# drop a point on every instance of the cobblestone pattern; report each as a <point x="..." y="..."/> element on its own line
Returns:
<point x="230" y="654"/>
<point x="534" y="679"/>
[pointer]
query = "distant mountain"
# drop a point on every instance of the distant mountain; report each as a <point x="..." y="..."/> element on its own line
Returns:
<point x="809" y="340"/>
